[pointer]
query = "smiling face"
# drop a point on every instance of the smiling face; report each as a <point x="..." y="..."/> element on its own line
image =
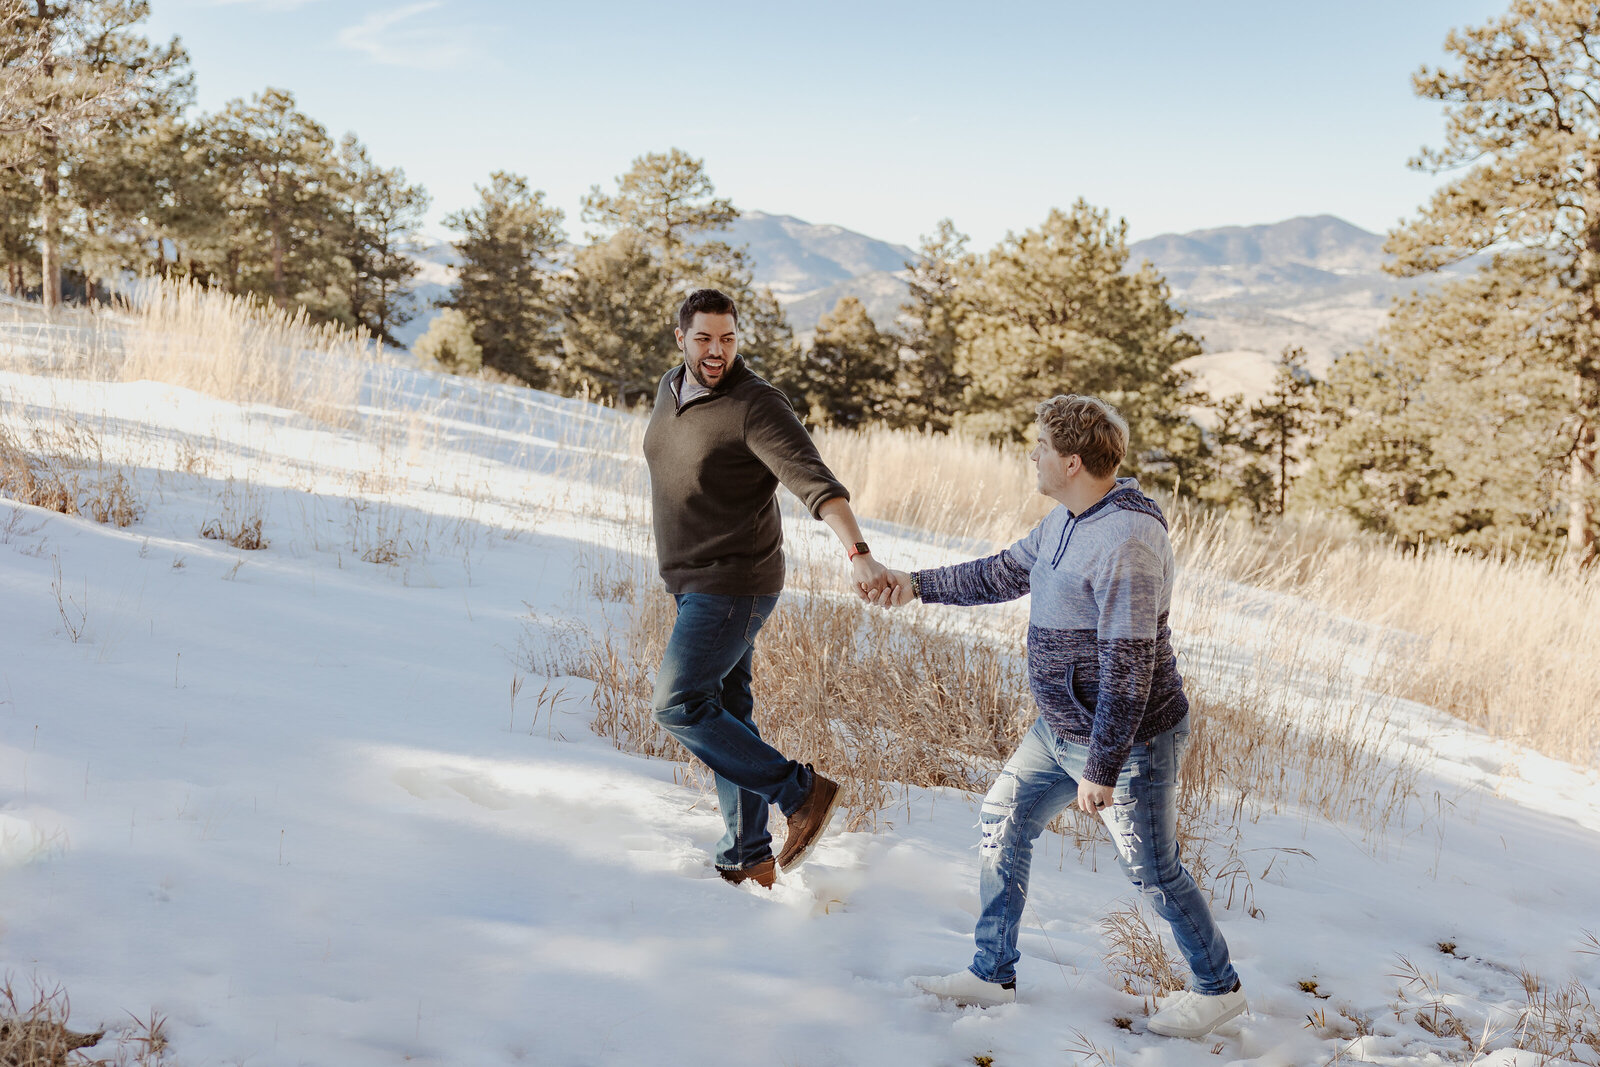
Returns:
<point x="709" y="346"/>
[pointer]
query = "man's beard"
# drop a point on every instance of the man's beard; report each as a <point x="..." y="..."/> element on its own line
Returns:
<point x="694" y="369"/>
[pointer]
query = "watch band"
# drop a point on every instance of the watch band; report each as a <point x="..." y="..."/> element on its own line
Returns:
<point x="858" y="549"/>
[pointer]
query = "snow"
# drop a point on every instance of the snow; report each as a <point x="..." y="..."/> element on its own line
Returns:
<point x="290" y="800"/>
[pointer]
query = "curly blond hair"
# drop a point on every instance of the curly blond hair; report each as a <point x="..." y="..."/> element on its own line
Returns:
<point x="1087" y="427"/>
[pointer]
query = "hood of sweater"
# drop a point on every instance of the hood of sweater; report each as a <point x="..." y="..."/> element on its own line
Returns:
<point x="1125" y="495"/>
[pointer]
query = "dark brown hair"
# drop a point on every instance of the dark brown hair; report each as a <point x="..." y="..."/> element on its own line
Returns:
<point x="710" y="301"/>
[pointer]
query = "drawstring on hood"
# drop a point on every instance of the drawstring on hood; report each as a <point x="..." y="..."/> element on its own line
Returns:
<point x="1126" y="496"/>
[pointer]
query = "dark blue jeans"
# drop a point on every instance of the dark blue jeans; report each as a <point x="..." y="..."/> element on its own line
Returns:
<point x="703" y="699"/>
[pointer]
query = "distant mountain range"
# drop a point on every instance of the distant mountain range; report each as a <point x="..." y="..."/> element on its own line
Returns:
<point x="1249" y="291"/>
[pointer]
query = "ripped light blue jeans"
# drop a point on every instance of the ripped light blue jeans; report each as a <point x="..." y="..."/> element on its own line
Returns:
<point x="1038" y="782"/>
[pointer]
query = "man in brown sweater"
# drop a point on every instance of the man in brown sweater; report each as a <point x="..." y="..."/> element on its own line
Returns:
<point x="720" y="441"/>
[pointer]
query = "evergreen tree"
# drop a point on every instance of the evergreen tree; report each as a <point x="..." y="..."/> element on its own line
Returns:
<point x="668" y="198"/>
<point x="1233" y="476"/>
<point x="278" y="175"/>
<point x="1523" y="119"/>
<point x="448" y="344"/>
<point x="1278" y="425"/>
<point x="617" y="335"/>
<point x="1054" y="311"/>
<point x="1448" y="426"/>
<point x="850" y="369"/>
<point x="19" y="200"/>
<point x="505" y="286"/>
<point x="380" y="214"/>
<point x="122" y="172"/>
<point x="73" y="70"/>
<point x="768" y="345"/>
<point x="667" y="203"/>
<point x="930" y="389"/>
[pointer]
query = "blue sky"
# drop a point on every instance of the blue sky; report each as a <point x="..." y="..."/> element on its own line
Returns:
<point x="882" y="117"/>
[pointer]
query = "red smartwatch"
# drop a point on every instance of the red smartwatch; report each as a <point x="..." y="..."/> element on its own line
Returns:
<point x="858" y="549"/>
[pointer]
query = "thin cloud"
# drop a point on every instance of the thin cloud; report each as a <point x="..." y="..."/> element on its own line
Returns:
<point x="398" y="38"/>
<point x="270" y="5"/>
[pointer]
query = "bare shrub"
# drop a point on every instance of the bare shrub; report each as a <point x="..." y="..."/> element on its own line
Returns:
<point x="33" y="1031"/>
<point x="61" y="468"/>
<point x="870" y="699"/>
<point x="1137" y="956"/>
<point x="238" y="521"/>
<point x="1560" y="1022"/>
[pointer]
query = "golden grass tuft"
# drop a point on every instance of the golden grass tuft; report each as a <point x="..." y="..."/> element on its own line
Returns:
<point x="50" y="466"/>
<point x="1138" y="956"/>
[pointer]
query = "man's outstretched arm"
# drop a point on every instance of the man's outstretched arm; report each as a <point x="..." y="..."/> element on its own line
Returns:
<point x="870" y="576"/>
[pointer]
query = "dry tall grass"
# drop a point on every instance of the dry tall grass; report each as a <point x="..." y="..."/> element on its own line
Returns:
<point x="873" y="700"/>
<point x="967" y="490"/>
<point x="34" y="1033"/>
<point x="1506" y="644"/>
<point x="882" y="701"/>
<point x="60" y="466"/>
<point x="184" y="334"/>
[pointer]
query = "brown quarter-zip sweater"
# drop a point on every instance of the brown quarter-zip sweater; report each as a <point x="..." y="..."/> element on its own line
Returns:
<point x="715" y="464"/>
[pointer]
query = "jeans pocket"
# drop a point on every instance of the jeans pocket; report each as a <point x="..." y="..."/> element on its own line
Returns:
<point x="761" y="608"/>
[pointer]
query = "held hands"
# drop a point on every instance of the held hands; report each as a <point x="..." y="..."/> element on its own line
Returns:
<point x="895" y="593"/>
<point x="871" y="577"/>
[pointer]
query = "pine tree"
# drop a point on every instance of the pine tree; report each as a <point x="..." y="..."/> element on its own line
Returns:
<point x="1278" y="425"/>
<point x="380" y="213"/>
<point x="1054" y="311"/>
<point x="929" y="387"/>
<point x="617" y="335"/>
<point x="1523" y="119"/>
<point x="768" y="345"/>
<point x="1233" y="476"/>
<point x="665" y="206"/>
<point x="509" y="244"/>
<point x="665" y="196"/>
<point x="73" y="71"/>
<point x="278" y="175"/>
<point x="19" y="200"/>
<point x="1448" y="426"/>
<point x="850" y="368"/>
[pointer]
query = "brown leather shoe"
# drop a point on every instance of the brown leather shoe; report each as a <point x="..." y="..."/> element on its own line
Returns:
<point x="762" y="874"/>
<point x="807" y="823"/>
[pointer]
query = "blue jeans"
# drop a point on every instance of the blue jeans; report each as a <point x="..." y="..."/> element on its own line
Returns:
<point x="1038" y="782"/>
<point x="703" y="699"/>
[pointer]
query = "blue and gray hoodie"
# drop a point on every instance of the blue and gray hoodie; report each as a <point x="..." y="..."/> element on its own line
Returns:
<point x="1100" y="659"/>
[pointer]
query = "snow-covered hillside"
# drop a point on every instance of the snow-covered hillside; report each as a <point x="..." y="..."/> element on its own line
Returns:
<point x="335" y="801"/>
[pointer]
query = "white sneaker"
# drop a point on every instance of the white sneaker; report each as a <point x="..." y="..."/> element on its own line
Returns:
<point x="967" y="989"/>
<point x="1190" y="1014"/>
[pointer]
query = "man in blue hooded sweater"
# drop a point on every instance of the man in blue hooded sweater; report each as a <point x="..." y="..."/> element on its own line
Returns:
<point x="1113" y="718"/>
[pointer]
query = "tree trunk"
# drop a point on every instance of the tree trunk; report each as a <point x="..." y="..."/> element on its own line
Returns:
<point x="50" y="237"/>
<point x="1581" y="548"/>
<point x="280" y="287"/>
<point x="50" y="190"/>
<point x="1586" y="381"/>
